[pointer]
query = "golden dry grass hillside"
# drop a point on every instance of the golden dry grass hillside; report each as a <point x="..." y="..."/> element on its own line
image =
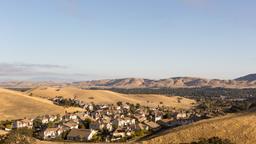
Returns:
<point x="239" y="128"/>
<point x="109" y="97"/>
<point x="16" y="105"/>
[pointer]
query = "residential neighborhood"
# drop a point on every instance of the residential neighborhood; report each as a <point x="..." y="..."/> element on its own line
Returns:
<point x="118" y="122"/>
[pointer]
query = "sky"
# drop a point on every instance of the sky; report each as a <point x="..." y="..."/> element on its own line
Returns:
<point x="100" y="39"/>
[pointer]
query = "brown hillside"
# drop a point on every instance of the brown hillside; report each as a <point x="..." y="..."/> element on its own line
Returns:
<point x="108" y="97"/>
<point x="240" y="129"/>
<point x="16" y="105"/>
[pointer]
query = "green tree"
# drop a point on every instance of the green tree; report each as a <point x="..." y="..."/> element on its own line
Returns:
<point x="133" y="108"/>
<point x="87" y="123"/>
<point x="6" y="124"/>
<point x="51" y="124"/>
<point x="137" y="106"/>
<point x="37" y="126"/>
<point x="119" y="103"/>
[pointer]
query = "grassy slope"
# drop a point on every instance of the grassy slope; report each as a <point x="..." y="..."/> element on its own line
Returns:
<point x="239" y="128"/>
<point x="104" y="96"/>
<point x="16" y="105"/>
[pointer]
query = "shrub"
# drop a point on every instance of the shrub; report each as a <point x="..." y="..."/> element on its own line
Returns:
<point x="179" y="99"/>
<point x="119" y="103"/>
<point x="137" y="106"/>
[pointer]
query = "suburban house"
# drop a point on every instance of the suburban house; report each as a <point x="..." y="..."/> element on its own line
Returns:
<point x="181" y="115"/>
<point x="48" y="118"/>
<point x="140" y="126"/>
<point x="81" y="134"/>
<point x="28" y="123"/>
<point x="119" y="133"/>
<point x="68" y="117"/>
<point x="90" y="107"/>
<point x="51" y="133"/>
<point x="157" y="116"/>
<point x="83" y="116"/>
<point x="140" y="118"/>
<point x="126" y="106"/>
<point x="153" y="126"/>
<point x="123" y="122"/>
<point x="71" y="125"/>
<point x="167" y="122"/>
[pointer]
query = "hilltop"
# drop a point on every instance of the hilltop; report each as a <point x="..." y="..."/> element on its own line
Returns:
<point x="16" y="105"/>
<point x="250" y="78"/>
<point x="108" y="97"/>
<point x="239" y="128"/>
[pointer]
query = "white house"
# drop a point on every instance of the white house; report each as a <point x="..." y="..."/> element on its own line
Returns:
<point x="68" y="117"/>
<point x="123" y="122"/>
<point x="181" y="116"/>
<point x="52" y="133"/>
<point x="71" y="125"/>
<point x="23" y="123"/>
<point x="119" y="133"/>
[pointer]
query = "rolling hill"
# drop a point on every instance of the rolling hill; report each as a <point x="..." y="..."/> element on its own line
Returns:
<point x="16" y="105"/>
<point x="248" y="81"/>
<point x="108" y="97"/>
<point x="176" y="82"/>
<point x="239" y="128"/>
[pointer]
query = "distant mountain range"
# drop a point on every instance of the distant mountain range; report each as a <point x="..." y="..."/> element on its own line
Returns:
<point x="29" y="84"/>
<point x="248" y="81"/>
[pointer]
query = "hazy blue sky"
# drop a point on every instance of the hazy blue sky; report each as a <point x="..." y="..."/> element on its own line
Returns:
<point x="128" y="38"/>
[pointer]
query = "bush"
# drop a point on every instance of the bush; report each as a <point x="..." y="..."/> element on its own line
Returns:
<point x="6" y="124"/>
<point x="140" y="133"/>
<point x="97" y="138"/>
<point x="179" y="99"/>
<point x="137" y="106"/>
<point x="87" y="123"/>
<point x="119" y="103"/>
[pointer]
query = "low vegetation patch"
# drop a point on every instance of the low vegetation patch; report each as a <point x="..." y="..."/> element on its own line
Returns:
<point x="19" y="136"/>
